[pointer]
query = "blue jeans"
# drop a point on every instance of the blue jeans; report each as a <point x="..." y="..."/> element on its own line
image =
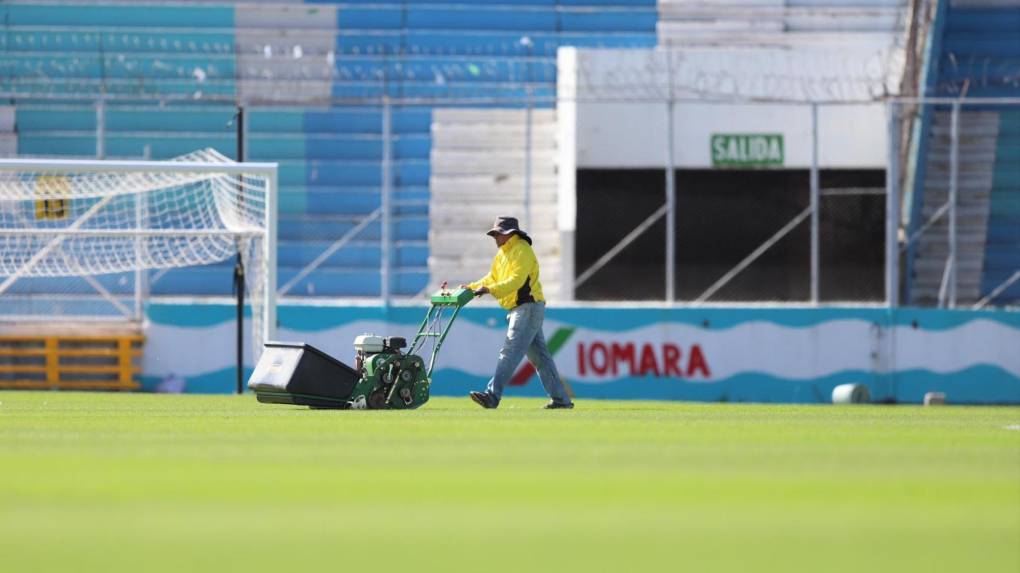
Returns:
<point x="524" y="337"/>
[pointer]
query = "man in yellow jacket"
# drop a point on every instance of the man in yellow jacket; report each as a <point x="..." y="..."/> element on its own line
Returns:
<point x="513" y="281"/>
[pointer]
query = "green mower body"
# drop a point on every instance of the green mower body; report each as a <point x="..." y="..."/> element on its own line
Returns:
<point x="384" y="376"/>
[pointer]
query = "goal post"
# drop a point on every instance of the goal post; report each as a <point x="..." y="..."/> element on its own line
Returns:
<point x="69" y="227"/>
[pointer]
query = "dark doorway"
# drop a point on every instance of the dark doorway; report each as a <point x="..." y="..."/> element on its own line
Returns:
<point x="723" y="216"/>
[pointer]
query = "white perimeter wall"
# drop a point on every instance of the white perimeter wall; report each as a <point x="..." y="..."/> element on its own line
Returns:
<point x="634" y="135"/>
<point x="619" y="119"/>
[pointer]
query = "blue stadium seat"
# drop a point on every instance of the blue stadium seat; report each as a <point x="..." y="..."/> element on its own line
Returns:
<point x="350" y="200"/>
<point x="299" y="228"/>
<point x="50" y="118"/>
<point x="614" y="3"/>
<point x="153" y="119"/>
<point x="369" y="18"/>
<point x="472" y="43"/>
<point x="523" y="18"/>
<point x="90" y="42"/>
<point x="359" y="253"/>
<point x="78" y="16"/>
<point x="355" y="282"/>
<point x="609" y="20"/>
<point x="57" y="145"/>
<point x="372" y="42"/>
<point x="614" y="40"/>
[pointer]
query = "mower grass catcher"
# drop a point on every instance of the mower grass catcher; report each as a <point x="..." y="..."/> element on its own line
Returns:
<point x="383" y="377"/>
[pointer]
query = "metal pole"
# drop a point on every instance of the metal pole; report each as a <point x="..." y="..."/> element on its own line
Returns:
<point x="239" y="287"/>
<point x="387" y="181"/>
<point x="239" y="278"/>
<point x="141" y="274"/>
<point x="527" y="136"/>
<point x="100" y="129"/>
<point x="892" y="208"/>
<point x="624" y="242"/>
<point x="527" y="163"/>
<point x="670" y="185"/>
<point x="997" y="291"/>
<point x="269" y="256"/>
<point x="814" y="203"/>
<point x="954" y="160"/>
<point x="726" y="278"/>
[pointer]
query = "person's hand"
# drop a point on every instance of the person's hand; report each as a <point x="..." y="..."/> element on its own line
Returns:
<point x="481" y="291"/>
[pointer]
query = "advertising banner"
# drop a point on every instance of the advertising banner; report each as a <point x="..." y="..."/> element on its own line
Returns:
<point x="709" y="354"/>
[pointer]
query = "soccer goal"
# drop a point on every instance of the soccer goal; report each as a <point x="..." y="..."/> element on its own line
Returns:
<point x="83" y="240"/>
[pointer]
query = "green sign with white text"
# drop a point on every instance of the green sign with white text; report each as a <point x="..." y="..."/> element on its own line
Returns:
<point x="747" y="149"/>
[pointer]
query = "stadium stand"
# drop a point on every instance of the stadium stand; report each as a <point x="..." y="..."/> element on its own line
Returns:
<point x="974" y="52"/>
<point x="311" y="76"/>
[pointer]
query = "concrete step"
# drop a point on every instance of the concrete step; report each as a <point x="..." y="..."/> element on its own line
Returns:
<point x="283" y="67"/>
<point x="483" y="196"/>
<point x="490" y="116"/>
<point x="941" y="250"/>
<point x="964" y="210"/>
<point x="498" y="168"/>
<point x="8" y="144"/>
<point x="929" y="295"/>
<point x="706" y="27"/>
<point x="307" y="92"/>
<point x="478" y="265"/>
<point x="458" y="241"/>
<point x="970" y="156"/>
<point x="285" y="42"/>
<point x="459" y="137"/>
<point x="483" y="219"/>
<point x="939" y="171"/>
<point x="781" y="39"/>
<point x="666" y="6"/>
<point x="935" y="265"/>
<point x="707" y="20"/>
<point x="280" y="15"/>
<point x="939" y="234"/>
<point x="6" y="118"/>
<point x="969" y="186"/>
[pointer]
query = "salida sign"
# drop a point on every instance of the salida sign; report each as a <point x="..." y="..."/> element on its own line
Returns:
<point x="664" y="360"/>
<point x="747" y="149"/>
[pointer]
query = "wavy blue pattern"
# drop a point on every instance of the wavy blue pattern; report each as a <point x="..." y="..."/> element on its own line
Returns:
<point x="319" y="318"/>
<point x="982" y="384"/>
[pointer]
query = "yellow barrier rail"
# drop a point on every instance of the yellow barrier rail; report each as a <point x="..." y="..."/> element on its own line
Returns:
<point x="71" y="362"/>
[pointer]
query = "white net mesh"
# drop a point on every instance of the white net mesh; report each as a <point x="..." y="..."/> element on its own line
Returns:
<point x="77" y="221"/>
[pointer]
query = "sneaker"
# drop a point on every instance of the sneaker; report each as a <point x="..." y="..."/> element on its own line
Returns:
<point x="554" y="405"/>
<point x="483" y="399"/>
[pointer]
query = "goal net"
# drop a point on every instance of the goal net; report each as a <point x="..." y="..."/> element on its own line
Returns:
<point x="84" y="240"/>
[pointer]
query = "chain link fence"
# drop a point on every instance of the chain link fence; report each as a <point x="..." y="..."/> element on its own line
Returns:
<point x="393" y="165"/>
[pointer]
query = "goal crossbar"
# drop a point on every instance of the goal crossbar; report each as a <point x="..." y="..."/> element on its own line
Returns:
<point x="130" y="232"/>
<point x="130" y="166"/>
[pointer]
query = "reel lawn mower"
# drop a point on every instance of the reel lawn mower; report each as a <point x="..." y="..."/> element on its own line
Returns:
<point x="383" y="376"/>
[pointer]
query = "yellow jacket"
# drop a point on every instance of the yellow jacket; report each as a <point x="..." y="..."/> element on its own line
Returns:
<point x="513" y="278"/>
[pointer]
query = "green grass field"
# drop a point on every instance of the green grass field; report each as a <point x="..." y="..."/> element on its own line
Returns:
<point x="122" y="482"/>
